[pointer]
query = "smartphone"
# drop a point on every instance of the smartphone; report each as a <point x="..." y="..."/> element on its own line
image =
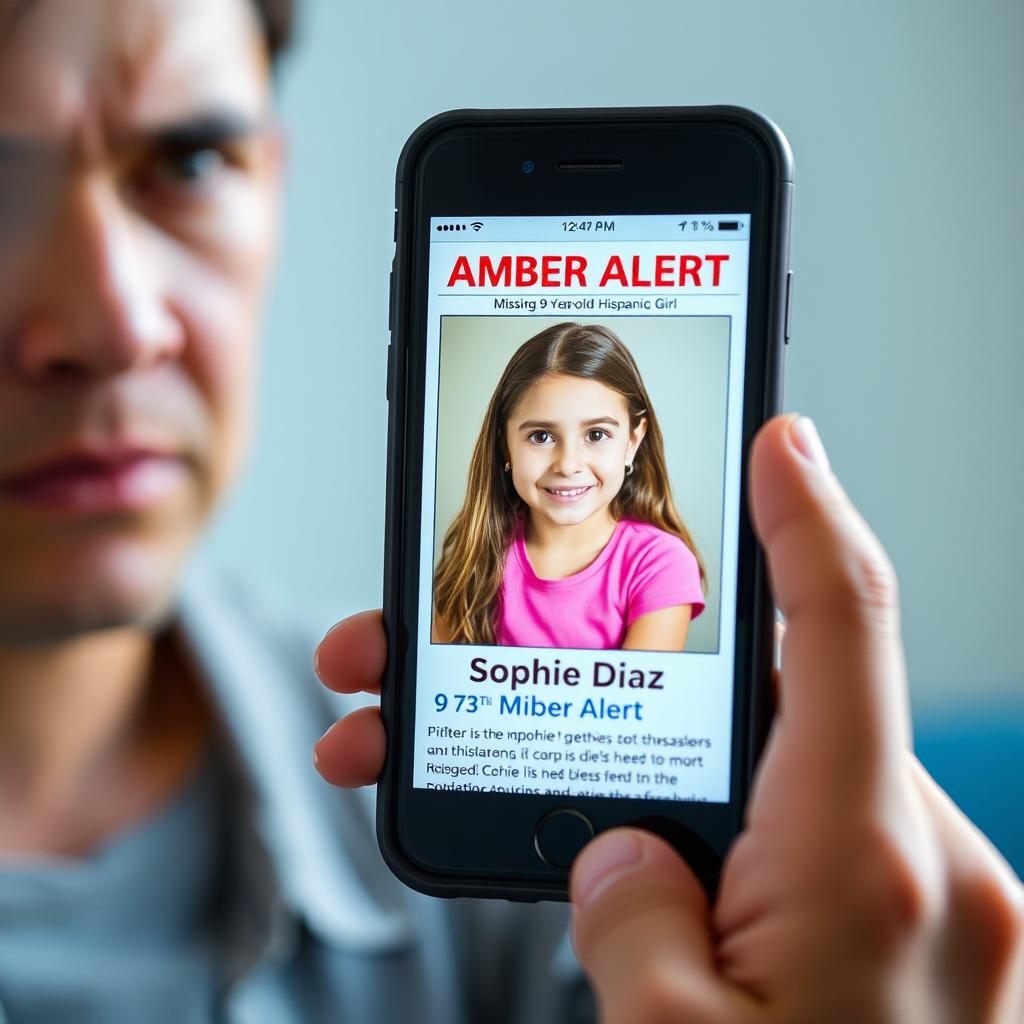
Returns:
<point x="589" y="310"/>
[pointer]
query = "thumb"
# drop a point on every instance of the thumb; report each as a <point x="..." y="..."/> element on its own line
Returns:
<point x="643" y="933"/>
<point x="843" y="696"/>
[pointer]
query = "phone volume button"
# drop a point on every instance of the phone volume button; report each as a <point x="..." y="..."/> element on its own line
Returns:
<point x="391" y="372"/>
<point x="789" y="306"/>
<point x="391" y="301"/>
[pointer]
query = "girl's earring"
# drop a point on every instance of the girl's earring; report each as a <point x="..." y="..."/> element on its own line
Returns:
<point x="508" y="466"/>
<point x="629" y="468"/>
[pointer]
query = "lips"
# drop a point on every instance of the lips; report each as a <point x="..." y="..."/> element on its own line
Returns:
<point x="90" y="482"/>
<point x="567" y="494"/>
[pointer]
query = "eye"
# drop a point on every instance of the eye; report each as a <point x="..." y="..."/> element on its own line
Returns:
<point x="185" y="172"/>
<point x="540" y="437"/>
<point x="597" y="434"/>
<point x="194" y="165"/>
<point x="190" y="167"/>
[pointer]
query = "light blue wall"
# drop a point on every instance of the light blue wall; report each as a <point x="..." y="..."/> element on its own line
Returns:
<point x="905" y="118"/>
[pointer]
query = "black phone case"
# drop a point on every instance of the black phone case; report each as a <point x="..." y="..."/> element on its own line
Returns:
<point x="761" y="702"/>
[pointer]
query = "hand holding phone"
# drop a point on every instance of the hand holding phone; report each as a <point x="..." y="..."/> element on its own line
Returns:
<point x="857" y="889"/>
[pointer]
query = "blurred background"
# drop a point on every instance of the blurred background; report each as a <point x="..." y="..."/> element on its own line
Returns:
<point x="905" y="121"/>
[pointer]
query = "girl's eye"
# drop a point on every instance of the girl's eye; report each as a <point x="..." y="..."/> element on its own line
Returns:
<point x="539" y="437"/>
<point x="596" y="435"/>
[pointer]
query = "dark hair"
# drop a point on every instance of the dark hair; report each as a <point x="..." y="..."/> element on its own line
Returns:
<point x="278" y="20"/>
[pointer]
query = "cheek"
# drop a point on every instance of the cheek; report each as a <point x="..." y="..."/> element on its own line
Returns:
<point x="523" y="479"/>
<point x="528" y="465"/>
<point x="221" y="285"/>
<point x="222" y="263"/>
<point x="20" y="257"/>
<point x="221" y="310"/>
<point x="531" y="462"/>
<point x="610" y="462"/>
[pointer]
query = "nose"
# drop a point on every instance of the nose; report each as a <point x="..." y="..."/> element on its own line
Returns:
<point x="568" y="461"/>
<point x="98" y="307"/>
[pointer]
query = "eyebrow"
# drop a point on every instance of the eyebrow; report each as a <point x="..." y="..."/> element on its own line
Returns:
<point x="550" y="424"/>
<point x="196" y="132"/>
<point x="202" y="130"/>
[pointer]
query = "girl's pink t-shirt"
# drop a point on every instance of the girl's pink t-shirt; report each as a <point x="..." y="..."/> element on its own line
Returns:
<point x="641" y="569"/>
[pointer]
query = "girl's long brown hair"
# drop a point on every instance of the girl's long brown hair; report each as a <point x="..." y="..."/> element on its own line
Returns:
<point x="467" y="580"/>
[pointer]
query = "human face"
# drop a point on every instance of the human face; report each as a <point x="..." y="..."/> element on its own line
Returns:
<point x="138" y="183"/>
<point x="569" y="441"/>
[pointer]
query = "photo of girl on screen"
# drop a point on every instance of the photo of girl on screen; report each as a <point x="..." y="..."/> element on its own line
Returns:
<point x="568" y="535"/>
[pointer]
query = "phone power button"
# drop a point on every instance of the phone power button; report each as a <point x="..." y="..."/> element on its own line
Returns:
<point x="560" y="835"/>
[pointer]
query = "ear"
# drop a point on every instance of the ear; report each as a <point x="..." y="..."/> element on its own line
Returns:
<point x="639" y="432"/>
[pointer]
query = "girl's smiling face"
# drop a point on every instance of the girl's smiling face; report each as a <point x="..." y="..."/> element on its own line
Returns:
<point x="569" y="441"/>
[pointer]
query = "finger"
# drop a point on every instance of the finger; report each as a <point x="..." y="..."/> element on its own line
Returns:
<point x="351" y="752"/>
<point x="642" y="932"/>
<point x="351" y="657"/>
<point x="966" y="847"/>
<point x="984" y="902"/>
<point x="843" y="692"/>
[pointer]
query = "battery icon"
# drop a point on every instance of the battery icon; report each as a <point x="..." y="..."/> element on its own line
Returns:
<point x="729" y="225"/>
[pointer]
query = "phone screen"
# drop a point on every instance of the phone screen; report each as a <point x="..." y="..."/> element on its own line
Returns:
<point x="580" y="516"/>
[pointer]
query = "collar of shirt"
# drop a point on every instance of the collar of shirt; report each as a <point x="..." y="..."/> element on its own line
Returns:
<point x="316" y="857"/>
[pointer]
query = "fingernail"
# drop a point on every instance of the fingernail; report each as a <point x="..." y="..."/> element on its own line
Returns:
<point x="316" y="751"/>
<point x="316" y="653"/>
<point x="604" y="860"/>
<point x="804" y="436"/>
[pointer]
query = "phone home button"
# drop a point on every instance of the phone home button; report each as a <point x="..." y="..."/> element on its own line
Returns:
<point x="560" y="835"/>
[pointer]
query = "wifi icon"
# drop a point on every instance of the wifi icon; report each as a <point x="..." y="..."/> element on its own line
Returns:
<point x="476" y="225"/>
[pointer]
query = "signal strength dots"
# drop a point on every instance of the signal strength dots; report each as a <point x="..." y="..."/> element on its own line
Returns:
<point x="476" y="225"/>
